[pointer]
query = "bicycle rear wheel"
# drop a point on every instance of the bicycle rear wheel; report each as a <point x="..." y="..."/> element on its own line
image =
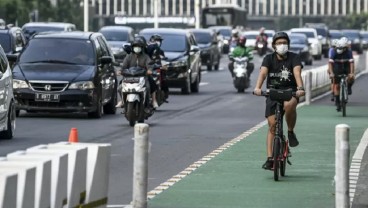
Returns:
<point x="343" y="100"/>
<point x="276" y="162"/>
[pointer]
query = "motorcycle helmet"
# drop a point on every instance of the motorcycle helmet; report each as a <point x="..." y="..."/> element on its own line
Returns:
<point x="279" y="35"/>
<point x="341" y="45"/>
<point x="242" y="40"/>
<point x="138" y="45"/>
<point x="156" y="37"/>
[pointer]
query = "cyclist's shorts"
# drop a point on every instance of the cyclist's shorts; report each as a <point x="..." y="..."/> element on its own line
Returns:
<point x="271" y="106"/>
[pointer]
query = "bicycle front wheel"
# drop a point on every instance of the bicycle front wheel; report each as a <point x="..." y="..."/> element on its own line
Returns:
<point x="343" y="100"/>
<point x="276" y="156"/>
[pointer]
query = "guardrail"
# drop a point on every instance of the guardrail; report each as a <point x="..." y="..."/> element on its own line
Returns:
<point x="56" y="175"/>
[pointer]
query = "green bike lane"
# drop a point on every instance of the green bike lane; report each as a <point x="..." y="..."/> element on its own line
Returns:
<point x="234" y="177"/>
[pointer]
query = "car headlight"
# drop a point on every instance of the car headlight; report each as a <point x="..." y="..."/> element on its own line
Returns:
<point x="356" y="40"/>
<point x="180" y="63"/>
<point x="19" y="84"/>
<point x="305" y="49"/>
<point x="226" y="42"/>
<point x="87" y="85"/>
<point x="116" y="50"/>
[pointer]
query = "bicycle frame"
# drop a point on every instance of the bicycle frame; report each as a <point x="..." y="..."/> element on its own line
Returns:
<point x="343" y="93"/>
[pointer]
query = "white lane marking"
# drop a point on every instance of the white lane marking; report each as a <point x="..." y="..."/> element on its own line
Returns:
<point x="205" y="159"/>
<point x="355" y="165"/>
<point x="119" y="206"/>
<point x="203" y="83"/>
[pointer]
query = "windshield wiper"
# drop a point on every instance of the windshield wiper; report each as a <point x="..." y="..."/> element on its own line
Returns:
<point x="51" y="61"/>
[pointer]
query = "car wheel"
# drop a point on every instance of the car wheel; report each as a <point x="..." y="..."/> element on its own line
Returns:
<point x="9" y="133"/>
<point x="186" y="88"/>
<point x="217" y="65"/>
<point x="17" y="113"/>
<point x="98" y="112"/>
<point x="194" y="87"/>
<point x="110" y="108"/>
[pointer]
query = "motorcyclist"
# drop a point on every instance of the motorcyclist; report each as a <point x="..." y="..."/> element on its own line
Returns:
<point x="262" y="37"/>
<point x="234" y="36"/>
<point x="341" y="62"/>
<point x="240" y="51"/>
<point x="139" y="58"/>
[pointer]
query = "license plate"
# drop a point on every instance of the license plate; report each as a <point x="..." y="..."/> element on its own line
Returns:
<point x="47" y="97"/>
<point x="131" y="80"/>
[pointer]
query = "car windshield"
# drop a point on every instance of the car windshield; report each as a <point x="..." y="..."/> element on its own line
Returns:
<point x="297" y="40"/>
<point x="5" y="42"/>
<point x="202" y="37"/>
<point x="308" y="34"/>
<point x="351" y="35"/>
<point x="224" y="32"/>
<point x="171" y="42"/>
<point x="321" y="31"/>
<point x="251" y="36"/>
<point x="58" y="50"/>
<point x="335" y="35"/>
<point x="29" y="31"/>
<point x="364" y="35"/>
<point x="113" y="35"/>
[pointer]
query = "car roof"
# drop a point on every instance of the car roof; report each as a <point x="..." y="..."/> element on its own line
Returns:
<point x="350" y="30"/>
<point x="202" y="30"/>
<point x="167" y="31"/>
<point x="250" y="32"/>
<point x="297" y="35"/>
<point x="54" y="24"/>
<point x="303" y="29"/>
<point x="116" y="27"/>
<point x="69" y="35"/>
<point x="220" y="27"/>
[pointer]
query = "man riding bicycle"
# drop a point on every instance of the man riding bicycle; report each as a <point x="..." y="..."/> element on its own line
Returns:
<point x="341" y="62"/>
<point x="283" y="71"/>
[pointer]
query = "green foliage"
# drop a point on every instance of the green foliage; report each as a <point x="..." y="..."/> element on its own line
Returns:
<point x="18" y="11"/>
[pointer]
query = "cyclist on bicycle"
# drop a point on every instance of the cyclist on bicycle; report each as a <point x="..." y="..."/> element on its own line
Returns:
<point x="341" y="62"/>
<point x="283" y="71"/>
<point x="330" y="52"/>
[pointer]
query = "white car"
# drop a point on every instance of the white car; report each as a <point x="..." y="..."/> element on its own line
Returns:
<point x="7" y="107"/>
<point x="270" y="34"/>
<point x="313" y="40"/>
<point x="251" y="38"/>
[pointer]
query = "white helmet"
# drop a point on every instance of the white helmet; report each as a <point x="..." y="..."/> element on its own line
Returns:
<point x="334" y="42"/>
<point x="343" y="42"/>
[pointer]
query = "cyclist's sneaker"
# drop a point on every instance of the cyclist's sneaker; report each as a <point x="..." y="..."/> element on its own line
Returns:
<point x="338" y="108"/>
<point x="332" y="97"/>
<point x="293" y="141"/>
<point x="268" y="165"/>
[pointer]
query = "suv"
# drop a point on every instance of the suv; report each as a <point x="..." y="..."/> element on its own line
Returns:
<point x="323" y="36"/>
<point x="7" y="107"/>
<point x="117" y="37"/>
<point x="355" y="40"/>
<point x="66" y="72"/>
<point x="32" y="28"/>
<point x="183" y="55"/>
<point x="312" y="36"/>
<point x="207" y="42"/>
<point x="12" y="40"/>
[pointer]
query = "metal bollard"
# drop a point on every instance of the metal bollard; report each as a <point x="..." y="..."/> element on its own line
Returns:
<point x="140" y="169"/>
<point x="308" y="87"/>
<point x="342" y="152"/>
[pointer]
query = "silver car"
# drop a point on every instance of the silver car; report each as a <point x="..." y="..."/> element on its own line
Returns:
<point x="7" y="107"/>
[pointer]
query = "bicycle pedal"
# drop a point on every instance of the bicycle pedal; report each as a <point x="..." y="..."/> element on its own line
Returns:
<point x="288" y="161"/>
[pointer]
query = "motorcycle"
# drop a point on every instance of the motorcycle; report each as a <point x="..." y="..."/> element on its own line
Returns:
<point x="136" y="95"/>
<point x="241" y="79"/>
<point x="261" y="46"/>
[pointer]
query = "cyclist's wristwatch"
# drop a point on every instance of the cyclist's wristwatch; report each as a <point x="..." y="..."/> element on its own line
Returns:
<point x="300" y="88"/>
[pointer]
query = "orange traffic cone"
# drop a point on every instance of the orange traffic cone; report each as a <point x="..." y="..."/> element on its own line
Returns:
<point x="73" y="136"/>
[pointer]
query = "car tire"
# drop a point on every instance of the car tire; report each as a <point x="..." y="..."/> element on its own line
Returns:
<point x="186" y="88"/>
<point x="209" y="67"/>
<point x="109" y="108"/>
<point x="98" y="112"/>
<point x="17" y="113"/>
<point x="217" y="65"/>
<point x="9" y="133"/>
<point x="194" y="87"/>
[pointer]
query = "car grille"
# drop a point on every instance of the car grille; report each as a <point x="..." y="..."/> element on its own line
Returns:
<point x="48" y="86"/>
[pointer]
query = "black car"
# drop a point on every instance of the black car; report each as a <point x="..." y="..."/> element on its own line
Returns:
<point x="66" y="72"/>
<point x="32" y="28"/>
<point x="117" y="37"/>
<point x="364" y="35"/>
<point x="224" y="33"/>
<point x="355" y="40"/>
<point x="12" y="40"/>
<point x="183" y="55"/>
<point x="207" y="42"/>
<point x="299" y="44"/>
<point x="334" y="34"/>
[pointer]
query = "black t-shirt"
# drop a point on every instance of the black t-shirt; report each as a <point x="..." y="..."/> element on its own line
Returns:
<point x="280" y="72"/>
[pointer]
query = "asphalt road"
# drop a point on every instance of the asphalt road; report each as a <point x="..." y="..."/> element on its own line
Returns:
<point x="181" y="131"/>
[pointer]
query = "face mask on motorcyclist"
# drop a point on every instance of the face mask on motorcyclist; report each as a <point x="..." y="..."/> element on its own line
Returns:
<point x="137" y="49"/>
<point x="340" y="50"/>
<point x="158" y="43"/>
<point x="282" y="49"/>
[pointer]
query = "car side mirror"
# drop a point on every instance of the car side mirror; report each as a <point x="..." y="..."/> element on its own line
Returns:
<point x="194" y="48"/>
<point x="127" y="48"/>
<point x="106" y="60"/>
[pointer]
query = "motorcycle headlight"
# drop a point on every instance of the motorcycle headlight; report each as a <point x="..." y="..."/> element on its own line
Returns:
<point x="19" y="84"/>
<point x="226" y="42"/>
<point x="87" y="85"/>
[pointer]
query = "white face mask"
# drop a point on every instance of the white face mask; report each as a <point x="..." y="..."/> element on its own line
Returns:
<point x="158" y="43"/>
<point x="282" y="49"/>
<point x="137" y="49"/>
<point x="339" y="51"/>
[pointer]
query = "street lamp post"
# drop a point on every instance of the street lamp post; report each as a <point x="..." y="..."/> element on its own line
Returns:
<point x="85" y="8"/>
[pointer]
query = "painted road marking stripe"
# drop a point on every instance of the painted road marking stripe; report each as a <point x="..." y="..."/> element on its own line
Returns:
<point x="203" y="83"/>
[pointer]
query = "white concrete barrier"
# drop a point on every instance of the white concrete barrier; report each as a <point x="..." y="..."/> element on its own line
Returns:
<point x="77" y="164"/>
<point x="98" y="166"/>
<point x="26" y="181"/>
<point x="59" y="173"/>
<point x="8" y="189"/>
<point x="43" y="176"/>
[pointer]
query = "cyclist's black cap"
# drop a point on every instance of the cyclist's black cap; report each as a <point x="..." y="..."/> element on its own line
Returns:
<point x="279" y="35"/>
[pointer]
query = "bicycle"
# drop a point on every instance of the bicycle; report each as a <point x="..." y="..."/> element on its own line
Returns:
<point x="343" y="93"/>
<point x="280" y="149"/>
